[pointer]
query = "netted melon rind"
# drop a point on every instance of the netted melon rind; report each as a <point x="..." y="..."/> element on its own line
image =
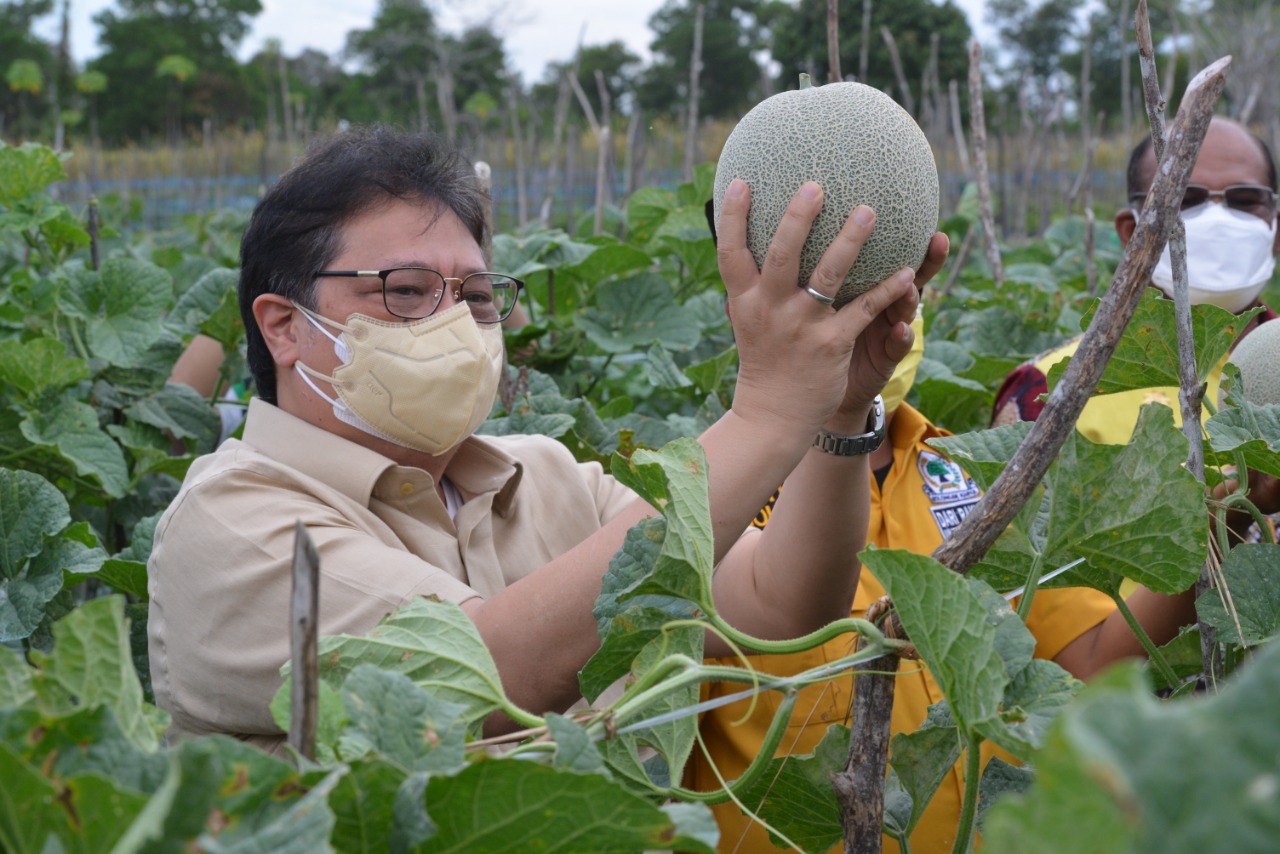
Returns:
<point x="862" y="148"/>
<point x="1258" y="358"/>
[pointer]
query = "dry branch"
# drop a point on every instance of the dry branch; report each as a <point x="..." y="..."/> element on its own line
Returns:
<point x="833" y="41"/>
<point x="864" y="47"/>
<point x="304" y="635"/>
<point x="860" y="786"/>
<point x="1030" y="462"/>
<point x="896" y="61"/>
<point x="695" y="83"/>
<point x="978" y="125"/>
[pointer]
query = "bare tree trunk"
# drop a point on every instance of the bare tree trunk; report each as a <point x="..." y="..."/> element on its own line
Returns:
<point x="420" y="93"/>
<point x="957" y="129"/>
<point x="1126" y="109"/>
<point x="977" y="124"/>
<point x="635" y="150"/>
<point x="833" y="41"/>
<point x="601" y="133"/>
<point x="907" y="101"/>
<point x="286" y="111"/>
<point x="860" y="786"/>
<point x="442" y="73"/>
<point x="864" y="48"/>
<point x="517" y="136"/>
<point x="695" y="77"/>
<point x="557" y="142"/>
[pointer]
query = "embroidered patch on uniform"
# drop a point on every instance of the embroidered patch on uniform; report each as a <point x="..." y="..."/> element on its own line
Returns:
<point x="944" y="482"/>
<point x="949" y="516"/>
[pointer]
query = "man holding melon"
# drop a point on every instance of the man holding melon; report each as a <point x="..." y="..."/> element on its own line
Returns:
<point x="372" y="321"/>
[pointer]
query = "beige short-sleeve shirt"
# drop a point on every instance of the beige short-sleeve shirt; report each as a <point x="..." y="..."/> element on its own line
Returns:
<point x="220" y="583"/>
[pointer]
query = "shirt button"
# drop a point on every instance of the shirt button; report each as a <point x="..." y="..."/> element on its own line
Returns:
<point x="406" y="489"/>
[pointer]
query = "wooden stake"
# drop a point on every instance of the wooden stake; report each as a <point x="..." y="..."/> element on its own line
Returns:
<point x="304" y="621"/>
<point x="833" y="42"/>
<point x="978" y="127"/>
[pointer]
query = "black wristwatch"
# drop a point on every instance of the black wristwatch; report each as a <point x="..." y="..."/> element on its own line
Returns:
<point x="839" y="445"/>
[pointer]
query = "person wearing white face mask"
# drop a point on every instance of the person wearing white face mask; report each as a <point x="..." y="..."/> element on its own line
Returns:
<point x="1229" y="211"/>
<point x="372" y="317"/>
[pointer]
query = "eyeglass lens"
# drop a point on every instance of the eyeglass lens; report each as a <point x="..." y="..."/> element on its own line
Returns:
<point x="1249" y="198"/>
<point x="415" y="293"/>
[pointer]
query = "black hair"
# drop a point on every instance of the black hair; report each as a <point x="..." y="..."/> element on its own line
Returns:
<point x="1138" y="181"/>
<point x="296" y="228"/>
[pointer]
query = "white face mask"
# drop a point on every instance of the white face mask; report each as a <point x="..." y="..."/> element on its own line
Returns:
<point x="1229" y="257"/>
<point x="425" y="384"/>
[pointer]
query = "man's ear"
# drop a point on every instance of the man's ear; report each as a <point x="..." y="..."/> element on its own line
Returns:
<point x="275" y="316"/>
<point x="1126" y="222"/>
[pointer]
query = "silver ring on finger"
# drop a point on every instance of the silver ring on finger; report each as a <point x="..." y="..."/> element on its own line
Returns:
<point x="820" y="296"/>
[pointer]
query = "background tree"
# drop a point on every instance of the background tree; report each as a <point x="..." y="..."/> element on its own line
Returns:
<point x="397" y="55"/>
<point x="613" y="60"/>
<point x="19" y="43"/>
<point x="137" y="37"/>
<point x="1036" y="36"/>
<point x="26" y="80"/>
<point x="799" y="32"/>
<point x="731" y="37"/>
<point x="1250" y="32"/>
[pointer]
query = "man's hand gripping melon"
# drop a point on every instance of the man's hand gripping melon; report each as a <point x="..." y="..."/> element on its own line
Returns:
<point x="863" y="149"/>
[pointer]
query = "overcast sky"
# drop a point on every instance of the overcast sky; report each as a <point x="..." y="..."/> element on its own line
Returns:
<point x="535" y="31"/>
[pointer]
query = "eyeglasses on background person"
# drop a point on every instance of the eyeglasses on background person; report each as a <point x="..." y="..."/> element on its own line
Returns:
<point x="1247" y="198"/>
<point x="413" y="293"/>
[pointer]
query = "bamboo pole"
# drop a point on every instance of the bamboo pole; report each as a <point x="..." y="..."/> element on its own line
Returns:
<point x="907" y="101"/>
<point x="977" y="124"/>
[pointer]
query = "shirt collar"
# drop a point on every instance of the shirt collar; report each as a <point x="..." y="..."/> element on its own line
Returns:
<point x="480" y="466"/>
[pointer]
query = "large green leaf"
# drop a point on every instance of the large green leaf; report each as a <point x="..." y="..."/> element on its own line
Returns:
<point x="575" y="750"/>
<point x="921" y="760"/>
<point x="207" y="305"/>
<point x="27" y="170"/>
<point x="431" y="642"/>
<point x="88" y="740"/>
<point x="181" y="411"/>
<point x="1147" y="355"/>
<point x="15" y="680"/>
<point x="31" y="512"/>
<point x="794" y="794"/>
<point x="363" y="805"/>
<point x="1251" y="571"/>
<point x="72" y="427"/>
<point x="32" y="367"/>
<point x="636" y="311"/>
<point x="126" y="300"/>
<point x="91" y="664"/>
<point x="1250" y="430"/>
<point x="389" y="715"/>
<point x="1157" y="537"/>
<point x="523" y="806"/>
<point x="1123" y="771"/>
<point x="1032" y="701"/>
<point x="674" y="480"/>
<point x="948" y="624"/>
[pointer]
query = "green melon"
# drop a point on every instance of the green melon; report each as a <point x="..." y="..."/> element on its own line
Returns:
<point x="1258" y="358"/>
<point x="862" y="148"/>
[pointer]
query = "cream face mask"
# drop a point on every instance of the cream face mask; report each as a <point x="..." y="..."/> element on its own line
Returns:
<point x="426" y="384"/>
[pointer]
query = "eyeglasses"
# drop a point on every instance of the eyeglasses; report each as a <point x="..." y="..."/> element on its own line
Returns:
<point x="1248" y="198"/>
<point x="413" y="293"/>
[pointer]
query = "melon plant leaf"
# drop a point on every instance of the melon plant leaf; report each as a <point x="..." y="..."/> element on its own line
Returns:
<point x="15" y="680"/>
<point x="1147" y="355"/>
<point x="503" y="806"/>
<point x="708" y="375"/>
<point x="647" y="209"/>
<point x="1116" y="772"/>
<point x="207" y="307"/>
<point x="692" y="245"/>
<point x="634" y="311"/>
<point x="26" y="170"/>
<point x="626" y="627"/>
<point x="1251" y="570"/>
<point x="1031" y="702"/>
<point x="88" y="740"/>
<point x="794" y="794"/>
<point x="41" y="364"/>
<point x="1157" y="537"/>
<point x="303" y="827"/>
<point x="574" y="749"/>
<point x="1014" y="642"/>
<point x="1000" y="778"/>
<point x="91" y="662"/>
<point x="674" y="480"/>
<point x="126" y="300"/>
<point x="32" y="511"/>
<point x="663" y="370"/>
<point x="389" y="715"/>
<point x="363" y="805"/>
<point x="72" y="428"/>
<point x="1249" y="429"/>
<point x="181" y="804"/>
<point x="180" y="410"/>
<point x="81" y="813"/>
<point x="431" y="642"/>
<point x="921" y="761"/>
<point x="948" y="398"/>
<point x="948" y="624"/>
<point x="984" y="454"/>
<point x="673" y="740"/>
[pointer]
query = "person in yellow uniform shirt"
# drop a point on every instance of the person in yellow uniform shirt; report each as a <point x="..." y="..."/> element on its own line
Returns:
<point x="918" y="498"/>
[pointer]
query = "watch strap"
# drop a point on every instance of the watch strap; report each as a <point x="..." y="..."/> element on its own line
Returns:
<point x="840" y="445"/>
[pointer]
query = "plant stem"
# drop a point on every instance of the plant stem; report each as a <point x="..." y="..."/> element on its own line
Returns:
<point x="1029" y="593"/>
<point x="1153" y="652"/>
<point x="814" y="638"/>
<point x="969" y="806"/>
